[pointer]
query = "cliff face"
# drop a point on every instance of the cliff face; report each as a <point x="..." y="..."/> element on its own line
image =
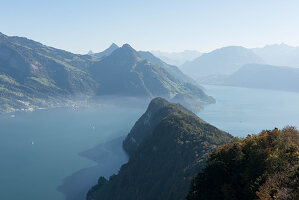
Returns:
<point x="168" y="145"/>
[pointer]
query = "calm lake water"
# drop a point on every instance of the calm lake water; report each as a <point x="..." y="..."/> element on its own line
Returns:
<point x="243" y="111"/>
<point x="39" y="151"/>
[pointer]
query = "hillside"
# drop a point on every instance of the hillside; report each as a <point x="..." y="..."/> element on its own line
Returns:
<point x="221" y="61"/>
<point x="132" y="75"/>
<point x="172" y="69"/>
<point x="33" y="75"/>
<point x="261" y="76"/>
<point x="168" y="145"/>
<point x="263" y="166"/>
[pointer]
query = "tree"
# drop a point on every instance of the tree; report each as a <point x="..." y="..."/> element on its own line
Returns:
<point x="263" y="166"/>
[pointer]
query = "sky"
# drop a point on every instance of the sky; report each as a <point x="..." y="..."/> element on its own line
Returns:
<point x="167" y="25"/>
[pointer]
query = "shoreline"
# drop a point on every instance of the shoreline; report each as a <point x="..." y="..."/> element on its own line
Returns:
<point x="109" y="157"/>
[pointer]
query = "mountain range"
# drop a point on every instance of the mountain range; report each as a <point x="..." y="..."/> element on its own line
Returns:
<point x="220" y="61"/>
<point x="172" y="69"/>
<point x="260" y="76"/>
<point x="33" y="75"/>
<point x="168" y="146"/>
<point x="270" y="67"/>
<point x="177" y="58"/>
<point x="279" y="55"/>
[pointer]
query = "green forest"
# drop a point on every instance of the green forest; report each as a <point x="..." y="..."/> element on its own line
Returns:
<point x="263" y="166"/>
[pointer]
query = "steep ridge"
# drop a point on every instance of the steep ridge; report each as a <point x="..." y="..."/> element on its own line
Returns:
<point x="168" y="145"/>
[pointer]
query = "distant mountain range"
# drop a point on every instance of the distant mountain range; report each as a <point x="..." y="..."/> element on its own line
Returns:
<point x="33" y="75"/>
<point x="269" y="67"/>
<point x="168" y="146"/>
<point x="221" y="61"/>
<point x="279" y="54"/>
<point x="177" y="58"/>
<point x="260" y="76"/>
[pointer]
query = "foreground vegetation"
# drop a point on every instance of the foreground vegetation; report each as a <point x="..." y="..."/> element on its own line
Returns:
<point x="263" y="166"/>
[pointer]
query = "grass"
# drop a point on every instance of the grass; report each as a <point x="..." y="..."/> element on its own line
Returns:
<point x="8" y="79"/>
<point x="43" y="81"/>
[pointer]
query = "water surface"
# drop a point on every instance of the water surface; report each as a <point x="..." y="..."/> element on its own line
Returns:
<point x="242" y="111"/>
<point x="39" y="149"/>
<point x="59" y="153"/>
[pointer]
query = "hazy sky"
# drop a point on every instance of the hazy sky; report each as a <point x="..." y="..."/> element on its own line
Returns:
<point x="167" y="25"/>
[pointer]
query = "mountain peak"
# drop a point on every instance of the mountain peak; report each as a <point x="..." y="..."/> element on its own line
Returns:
<point x="114" y="46"/>
<point x="3" y="35"/>
<point x="125" y="55"/>
<point x="127" y="50"/>
<point x="157" y="103"/>
<point x="111" y="48"/>
<point x="127" y="46"/>
<point x="107" y="51"/>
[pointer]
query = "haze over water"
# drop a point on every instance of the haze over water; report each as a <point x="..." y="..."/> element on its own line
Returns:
<point x="39" y="149"/>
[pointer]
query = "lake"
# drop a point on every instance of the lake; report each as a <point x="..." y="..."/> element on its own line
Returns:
<point x="243" y="111"/>
<point x="59" y="153"/>
<point x="39" y="149"/>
